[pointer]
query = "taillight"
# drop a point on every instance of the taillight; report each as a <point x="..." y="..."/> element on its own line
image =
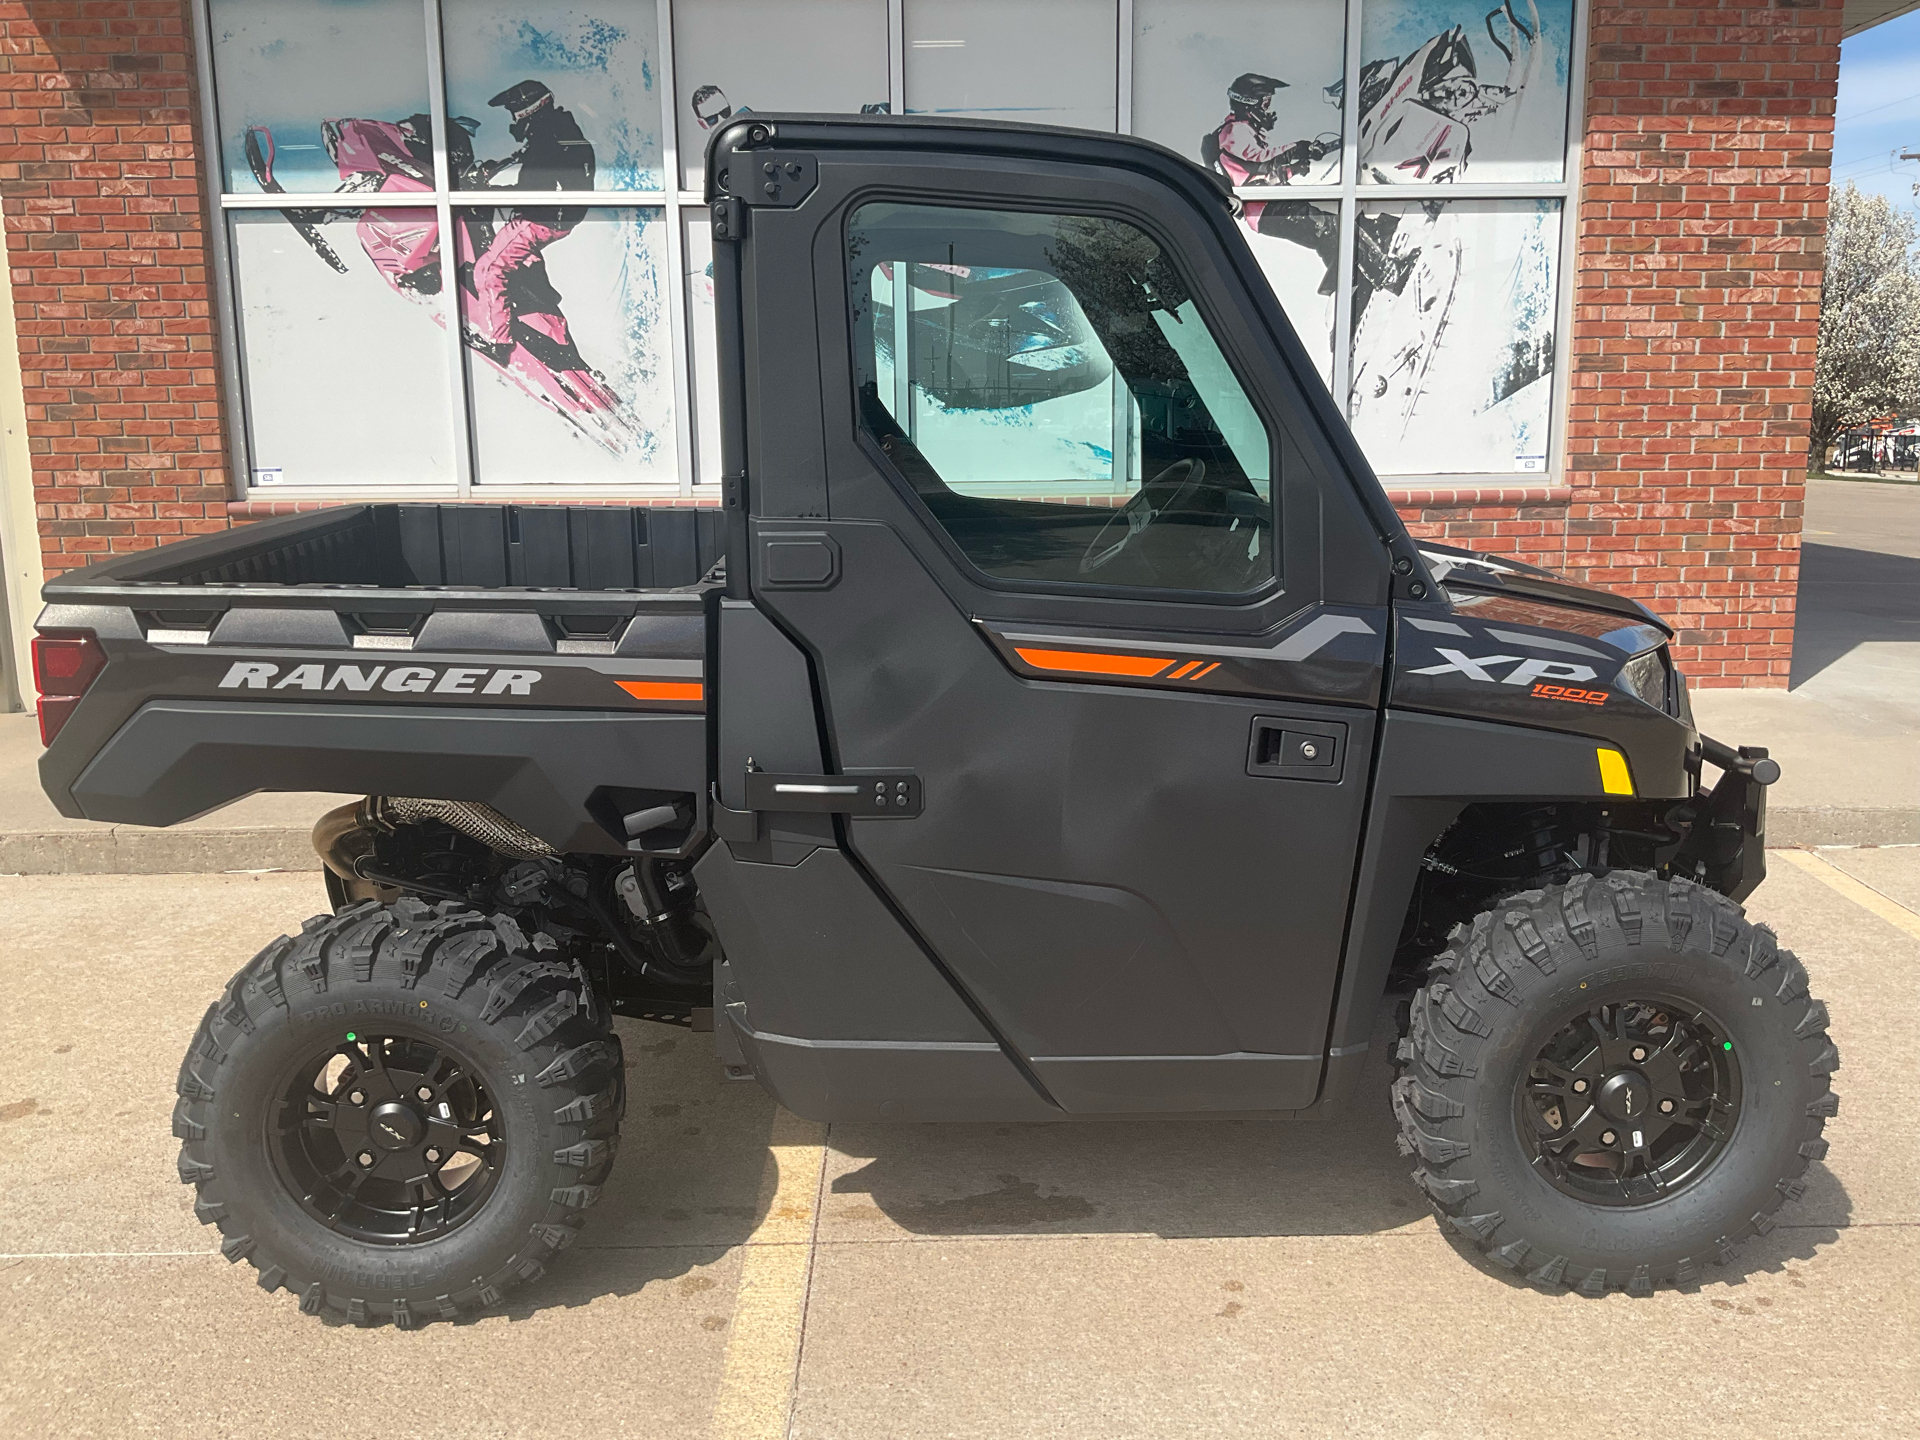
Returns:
<point x="65" y="663"/>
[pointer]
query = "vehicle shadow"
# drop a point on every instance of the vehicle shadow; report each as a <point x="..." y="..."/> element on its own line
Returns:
<point x="689" y="1183"/>
<point x="1188" y="1177"/>
<point x="1848" y="598"/>
<point x="694" y="1180"/>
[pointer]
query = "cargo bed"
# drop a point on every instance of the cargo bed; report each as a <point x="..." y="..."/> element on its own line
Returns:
<point x="328" y="651"/>
<point x="399" y="546"/>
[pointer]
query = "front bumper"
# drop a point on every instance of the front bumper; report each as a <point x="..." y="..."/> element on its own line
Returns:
<point x="1726" y="848"/>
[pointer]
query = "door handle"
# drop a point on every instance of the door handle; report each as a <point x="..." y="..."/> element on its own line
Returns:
<point x="862" y="794"/>
<point x="1290" y="749"/>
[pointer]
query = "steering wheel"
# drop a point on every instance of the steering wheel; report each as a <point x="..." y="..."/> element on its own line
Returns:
<point x="1169" y="491"/>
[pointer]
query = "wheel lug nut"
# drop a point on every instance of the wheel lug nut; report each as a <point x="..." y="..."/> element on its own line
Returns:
<point x="1666" y="1107"/>
<point x="1579" y="1087"/>
<point x="356" y="1097"/>
<point x="424" y="1092"/>
<point x="366" y="1157"/>
<point x="1639" y="1052"/>
<point x="433" y="1157"/>
<point x="1607" y="1137"/>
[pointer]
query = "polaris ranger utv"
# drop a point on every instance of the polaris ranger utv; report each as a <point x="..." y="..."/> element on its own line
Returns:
<point x="1054" y="720"/>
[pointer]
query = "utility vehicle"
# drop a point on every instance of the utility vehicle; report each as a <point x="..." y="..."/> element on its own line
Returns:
<point x="1053" y="719"/>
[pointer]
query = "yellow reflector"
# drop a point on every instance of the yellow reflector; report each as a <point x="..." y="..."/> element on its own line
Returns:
<point x="1614" y="776"/>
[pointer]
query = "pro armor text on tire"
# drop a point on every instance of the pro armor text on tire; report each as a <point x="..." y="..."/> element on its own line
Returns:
<point x="1609" y="1084"/>
<point x="402" y="1112"/>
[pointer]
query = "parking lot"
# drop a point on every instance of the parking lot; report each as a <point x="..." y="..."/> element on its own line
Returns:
<point x="752" y="1274"/>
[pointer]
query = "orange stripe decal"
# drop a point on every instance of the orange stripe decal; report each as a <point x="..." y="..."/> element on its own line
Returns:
<point x="663" y="689"/>
<point x="1185" y="670"/>
<point x="1080" y="662"/>
<point x="1202" y="674"/>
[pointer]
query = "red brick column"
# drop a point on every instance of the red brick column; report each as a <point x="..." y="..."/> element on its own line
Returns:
<point x="106" y="241"/>
<point x="1709" y="137"/>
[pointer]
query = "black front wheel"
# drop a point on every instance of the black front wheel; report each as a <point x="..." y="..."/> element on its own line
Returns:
<point x="1610" y="1084"/>
<point x="402" y="1112"/>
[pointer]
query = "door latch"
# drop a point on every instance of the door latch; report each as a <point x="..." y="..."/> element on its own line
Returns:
<point x="1297" y="749"/>
<point x="869" y="794"/>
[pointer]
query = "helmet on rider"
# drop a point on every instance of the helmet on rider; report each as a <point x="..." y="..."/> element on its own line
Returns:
<point x="1251" y="97"/>
<point x="523" y="102"/>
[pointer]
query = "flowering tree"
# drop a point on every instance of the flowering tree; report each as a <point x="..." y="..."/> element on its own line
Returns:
<point x="1869" y="357"/>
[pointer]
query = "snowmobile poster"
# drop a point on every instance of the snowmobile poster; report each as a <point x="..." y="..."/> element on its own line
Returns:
<point x="561" y="310"/>
<point x="1452" y="301"/>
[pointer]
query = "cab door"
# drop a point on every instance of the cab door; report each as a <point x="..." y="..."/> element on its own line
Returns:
<point x="1036" y="482"/>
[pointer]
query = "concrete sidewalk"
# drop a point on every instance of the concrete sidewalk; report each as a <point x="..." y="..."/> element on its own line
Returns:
<point x="1847" y="734"/>
<point x="750" y="1274"/>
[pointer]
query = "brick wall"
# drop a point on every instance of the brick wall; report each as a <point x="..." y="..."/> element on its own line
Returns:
<point x="106" y="244"/>
<point x="1704" y="202"/>
<point x="1696" y="307"/>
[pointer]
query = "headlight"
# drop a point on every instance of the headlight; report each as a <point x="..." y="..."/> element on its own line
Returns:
<point x="1645" y="677"/>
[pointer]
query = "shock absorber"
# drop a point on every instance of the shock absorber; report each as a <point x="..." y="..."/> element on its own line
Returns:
<point x="661" y="900"/>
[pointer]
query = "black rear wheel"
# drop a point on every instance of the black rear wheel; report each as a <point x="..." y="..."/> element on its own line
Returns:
<point x="1611" y="1084"/>
<point x="388" y="1139"/>
<point x="402" y="1112"/>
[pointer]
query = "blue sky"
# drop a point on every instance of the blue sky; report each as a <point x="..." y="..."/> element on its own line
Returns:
<point x="1879" y="110"/>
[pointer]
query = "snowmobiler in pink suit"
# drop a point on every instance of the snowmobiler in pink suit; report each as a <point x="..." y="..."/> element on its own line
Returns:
<point x="554" y="155"/>
<point x="1244" y="148"/>
<point x="511" y="310"/>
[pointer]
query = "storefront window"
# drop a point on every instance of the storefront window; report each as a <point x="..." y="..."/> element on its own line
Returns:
<point x="281" y="71"/>
<point x="1297" y="243"/>
<point x="582" y="333"/>
<point x="346" y="375"/>
<point x="1248" y="88"/>
<point x="705" y="369"/>
<point x="1463" y="90"/>
<point x="1453" y="320"/>
<point x="733" y="56"/>
<point x="1050" y="64"/>
<point x="565" y="95"/>
<point x="496" y="242"/>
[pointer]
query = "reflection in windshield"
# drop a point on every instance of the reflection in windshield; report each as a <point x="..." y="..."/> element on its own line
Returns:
<point x="1050" y="390"/>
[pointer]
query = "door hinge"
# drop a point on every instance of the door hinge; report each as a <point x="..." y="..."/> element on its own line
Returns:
<point x="729" y="221"/>
<point x="761" y="177"/>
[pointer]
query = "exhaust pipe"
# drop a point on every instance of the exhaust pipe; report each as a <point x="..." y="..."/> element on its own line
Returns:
<point x="344" y="838"/>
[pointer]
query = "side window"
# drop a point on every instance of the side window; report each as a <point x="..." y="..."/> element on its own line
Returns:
<point x="1051" y="392"/>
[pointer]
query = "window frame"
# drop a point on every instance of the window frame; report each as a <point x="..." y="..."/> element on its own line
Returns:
<point x="444" y="200"/>
<point x="682" y="208"/>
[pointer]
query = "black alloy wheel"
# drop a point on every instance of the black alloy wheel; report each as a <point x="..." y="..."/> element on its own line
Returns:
<point x="1614" y="1084"/>
<point x="402" y="1112"/>
<point x="1630" y="1102"/>
<point x="388" y="1139"/>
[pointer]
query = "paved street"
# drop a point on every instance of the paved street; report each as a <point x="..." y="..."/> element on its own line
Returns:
<point x="748" y="1274"/>
<point x="1857" y="633"/>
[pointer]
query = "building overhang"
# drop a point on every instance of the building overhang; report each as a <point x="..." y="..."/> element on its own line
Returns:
<point x="1861" y="15"/>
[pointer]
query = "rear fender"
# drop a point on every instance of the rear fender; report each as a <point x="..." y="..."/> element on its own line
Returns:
<point x="545" y="769"/>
